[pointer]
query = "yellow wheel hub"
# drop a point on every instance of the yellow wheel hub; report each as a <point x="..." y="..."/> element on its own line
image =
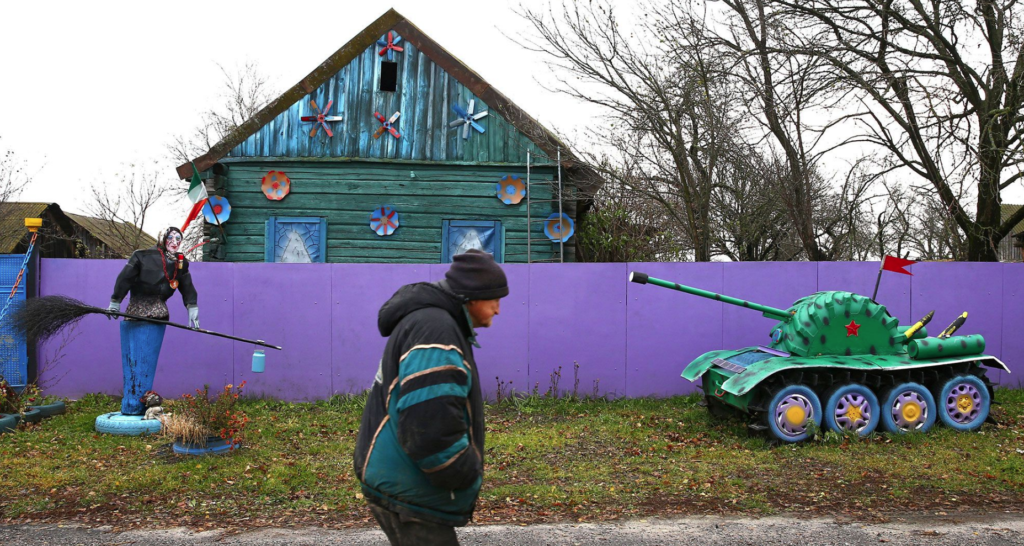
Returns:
<point x="854" y="414"/>
<point x="796" y="415"/>
<point x="911" y="412"/>
<point x="964" y="403"/>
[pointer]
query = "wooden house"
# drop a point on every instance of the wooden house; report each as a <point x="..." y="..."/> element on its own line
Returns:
<point x="67" y="235"/>
<point x="405" y="132"/>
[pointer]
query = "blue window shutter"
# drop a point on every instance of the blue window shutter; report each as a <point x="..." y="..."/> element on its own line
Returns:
<point x="270" y="239"/>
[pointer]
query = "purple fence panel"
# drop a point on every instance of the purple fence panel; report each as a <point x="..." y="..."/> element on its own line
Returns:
<point x="1012" y="353"/>
<point x="859" y="278"/>
<point x="634" y="339"/>
<point x="667" y="330"/>
<point x="577" y="314"/>
<point x="189" y="360"/>
<point x="775" y="284"/>
<point x="359" y="291"/>
<point x="952" y="288"/>
<point x="287" y="305"/>
<point x="504" y="353"/>
<point x="92" y="359"/>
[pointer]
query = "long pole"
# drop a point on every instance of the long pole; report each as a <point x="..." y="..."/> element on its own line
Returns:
<point x="881" y="267"/>
<point x="561" y="237"/>
<point x="529" y="220"/>
<point x="183" y="327"/>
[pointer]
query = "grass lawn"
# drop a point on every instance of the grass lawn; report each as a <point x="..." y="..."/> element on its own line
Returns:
<point x="547" y="460"/>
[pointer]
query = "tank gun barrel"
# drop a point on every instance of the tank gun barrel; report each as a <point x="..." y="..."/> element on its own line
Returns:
<point x="770" y="312"/>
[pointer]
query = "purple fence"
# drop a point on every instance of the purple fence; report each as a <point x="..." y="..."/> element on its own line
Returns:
<point x="628" y="339"/>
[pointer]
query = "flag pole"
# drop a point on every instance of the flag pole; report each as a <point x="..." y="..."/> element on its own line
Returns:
<point x="881" y="267"/>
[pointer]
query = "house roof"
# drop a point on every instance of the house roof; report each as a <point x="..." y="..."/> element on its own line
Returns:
<point x="1005" y="211"/>
<point x="392" y="20"/>
<point x="12" y="222"/>
<point x="13" y="231"/>
<point x="107" y="233"/>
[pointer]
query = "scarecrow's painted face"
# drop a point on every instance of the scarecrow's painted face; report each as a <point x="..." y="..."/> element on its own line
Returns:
<point x="173" y="241"/>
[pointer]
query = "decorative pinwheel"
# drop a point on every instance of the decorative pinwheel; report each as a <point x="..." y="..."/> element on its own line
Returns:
<point x="388" y="44"/>
<point x="384" y="220"/>
<point x="467" y="119"/>
<point x="321" y="118"/>
<point x="387" y="125"/>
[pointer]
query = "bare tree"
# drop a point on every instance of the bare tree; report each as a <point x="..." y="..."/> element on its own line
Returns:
<point x="12" y="176"/>
<point x="246" y="90"/>
<point x="941" y="85"/>
<point x="122" y="205"/>
<point x="669" y="116"/>
<point x="750" y="215"/>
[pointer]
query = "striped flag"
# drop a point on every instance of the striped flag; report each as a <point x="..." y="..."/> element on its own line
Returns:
<point x="197" y="194"/>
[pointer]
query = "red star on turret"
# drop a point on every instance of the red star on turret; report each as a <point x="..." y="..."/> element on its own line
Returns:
<point x="851" y="329"/>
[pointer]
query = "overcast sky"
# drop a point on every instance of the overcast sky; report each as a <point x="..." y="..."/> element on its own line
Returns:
<point x="88" y="86"/>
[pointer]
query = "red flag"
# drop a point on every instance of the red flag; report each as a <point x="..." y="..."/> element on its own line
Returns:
<point x="896" y="265"/>
<point x="196" y="209"/>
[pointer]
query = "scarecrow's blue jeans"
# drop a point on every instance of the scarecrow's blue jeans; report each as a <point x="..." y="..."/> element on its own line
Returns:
<point x="140" y="349"/>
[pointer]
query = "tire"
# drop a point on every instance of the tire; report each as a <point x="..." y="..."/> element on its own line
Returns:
<point x="963" y="402"/>
<point x="908" y="407"/>
<point x="8" y="422"/>
<point x="126" y="425"/>
<point x="49" y="410"/>
<point x="32" y="416"/>
<point x="852" y="408"/>
<point x="790" y="412"/>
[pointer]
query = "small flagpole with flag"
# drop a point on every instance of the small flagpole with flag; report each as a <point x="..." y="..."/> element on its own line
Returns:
<point x="197" y="194"/>
<point x="894" y="264"/>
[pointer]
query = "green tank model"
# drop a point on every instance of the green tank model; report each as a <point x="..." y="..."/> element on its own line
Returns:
<point x="841" y="362"/>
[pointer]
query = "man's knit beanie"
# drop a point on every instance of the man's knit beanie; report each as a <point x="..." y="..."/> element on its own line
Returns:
<point x="476" y="276"/>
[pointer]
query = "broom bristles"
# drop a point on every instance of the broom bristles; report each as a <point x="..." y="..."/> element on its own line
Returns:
<point x="41" y="318"/>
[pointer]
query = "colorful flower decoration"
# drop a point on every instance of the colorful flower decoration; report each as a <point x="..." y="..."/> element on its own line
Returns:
<point x="388" y="42"/>
<point x="467" y="119"/>
<point x="559" y="228"/>
<point x="276" y="185"/>
<point x="384" y="220"/>
<point x="510" y="190"/>
<point x="387" y="125"/>
<point x="217" y="210"/>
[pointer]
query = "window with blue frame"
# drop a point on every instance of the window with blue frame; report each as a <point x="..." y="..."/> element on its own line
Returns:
<point x="458" y="236"/>
<point x="296" y="240"/>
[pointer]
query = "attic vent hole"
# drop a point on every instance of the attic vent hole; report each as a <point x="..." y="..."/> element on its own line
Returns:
<point x="388" y="76"/>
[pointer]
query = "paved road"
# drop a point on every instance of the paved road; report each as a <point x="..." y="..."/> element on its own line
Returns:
<point x="1008" y="530"/>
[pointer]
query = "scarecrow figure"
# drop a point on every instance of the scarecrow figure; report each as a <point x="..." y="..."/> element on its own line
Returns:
<point x="151" y="276"/>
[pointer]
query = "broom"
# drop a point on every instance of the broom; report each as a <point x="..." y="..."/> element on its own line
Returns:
<point x="41" y="318"/>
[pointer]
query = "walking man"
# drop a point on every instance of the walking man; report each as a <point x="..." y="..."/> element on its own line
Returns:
<point x="419" y="454"/>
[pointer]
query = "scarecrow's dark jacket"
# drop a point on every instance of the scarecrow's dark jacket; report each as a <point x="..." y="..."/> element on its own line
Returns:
<point x="143" y="276"/>
<point x="421" y="443"/>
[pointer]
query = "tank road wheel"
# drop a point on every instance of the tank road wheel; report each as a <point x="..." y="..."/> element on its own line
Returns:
<point x="791" y="411"/>
<point x="908" y="407"/>
<point x="852" y="408"/>
<point x="963" y="402"/>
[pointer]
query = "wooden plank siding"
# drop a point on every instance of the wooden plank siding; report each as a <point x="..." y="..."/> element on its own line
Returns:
<point x="424" y="194"/>
<point x="424" y="95"/>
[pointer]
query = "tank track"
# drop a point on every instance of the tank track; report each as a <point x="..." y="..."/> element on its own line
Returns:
<point x="823" y="379"/>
